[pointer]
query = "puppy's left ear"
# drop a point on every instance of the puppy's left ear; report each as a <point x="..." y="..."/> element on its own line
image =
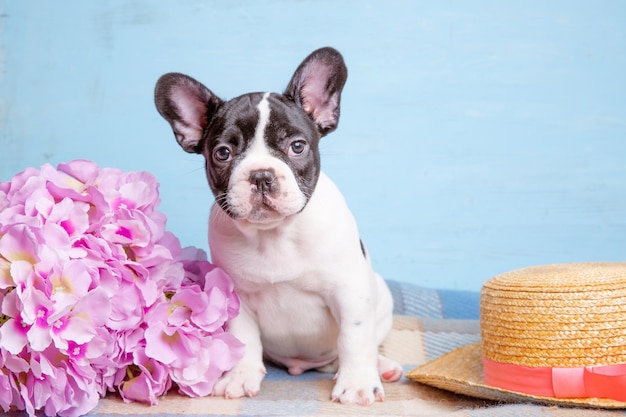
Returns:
<point x="316" y="87"/>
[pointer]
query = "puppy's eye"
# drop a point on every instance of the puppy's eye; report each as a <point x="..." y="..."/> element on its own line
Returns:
<point x="297" y="148"/>
<point x="222" y="154"/>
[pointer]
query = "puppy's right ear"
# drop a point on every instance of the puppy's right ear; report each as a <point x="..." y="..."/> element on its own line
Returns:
<point x="188" y="106"/>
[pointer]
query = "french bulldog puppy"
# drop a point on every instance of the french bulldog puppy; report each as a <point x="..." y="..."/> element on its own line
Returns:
<point x="282" y="230"/>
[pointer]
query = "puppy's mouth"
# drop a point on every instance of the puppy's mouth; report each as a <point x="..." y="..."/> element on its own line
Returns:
<point x="265" y="211"/>
<point x="263" y="202"/>
<point x="267" y="204"/>
<point x="260" y="207"/>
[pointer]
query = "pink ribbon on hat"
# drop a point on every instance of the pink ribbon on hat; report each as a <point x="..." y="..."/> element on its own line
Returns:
<point x="581" y="382"/>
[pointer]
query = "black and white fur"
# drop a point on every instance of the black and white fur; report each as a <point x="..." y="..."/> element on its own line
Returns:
<point x="282" y="230"/>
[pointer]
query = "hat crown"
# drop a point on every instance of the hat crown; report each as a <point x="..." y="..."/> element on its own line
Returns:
<point x="564" y="315"/>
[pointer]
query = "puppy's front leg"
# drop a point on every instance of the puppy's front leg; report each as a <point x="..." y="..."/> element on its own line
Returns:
<point x="245" y="378"/>
<point x="357" y="380"/>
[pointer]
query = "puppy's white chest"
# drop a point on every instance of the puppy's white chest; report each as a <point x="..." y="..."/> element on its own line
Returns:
<point x="266" y="260"/>
<point x="294" y="323"/>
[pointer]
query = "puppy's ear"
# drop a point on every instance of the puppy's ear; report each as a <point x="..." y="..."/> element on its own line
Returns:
<point x="316" y="87"/>
<point x="188" y="106"/>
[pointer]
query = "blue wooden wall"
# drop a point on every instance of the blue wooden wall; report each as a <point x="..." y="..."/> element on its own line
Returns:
<point x="476" y="136"/>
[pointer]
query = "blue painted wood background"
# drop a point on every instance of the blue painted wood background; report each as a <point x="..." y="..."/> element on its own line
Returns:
<point x="476" y="136"/>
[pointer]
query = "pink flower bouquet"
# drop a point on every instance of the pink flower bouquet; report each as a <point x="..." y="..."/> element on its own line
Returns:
<point x="96" y="296"/>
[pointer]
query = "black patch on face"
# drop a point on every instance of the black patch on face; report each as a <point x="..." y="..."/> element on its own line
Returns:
<point x="289" y="124"/>
<point x="234" y="127"/>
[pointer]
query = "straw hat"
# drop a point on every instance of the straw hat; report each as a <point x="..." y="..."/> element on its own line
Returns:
<point x="552" y="334"/>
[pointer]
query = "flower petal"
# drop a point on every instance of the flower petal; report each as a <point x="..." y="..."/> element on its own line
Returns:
<point x="13" y="336"/>
<point x="19" y="244"/>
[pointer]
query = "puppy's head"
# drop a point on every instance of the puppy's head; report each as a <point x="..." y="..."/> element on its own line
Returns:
<point x="261" y="149"/>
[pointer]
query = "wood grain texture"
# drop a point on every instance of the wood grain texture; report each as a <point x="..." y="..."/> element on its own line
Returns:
<point x="475" y="138"/>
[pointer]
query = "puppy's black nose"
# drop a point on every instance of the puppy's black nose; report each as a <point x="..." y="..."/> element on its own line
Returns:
<point x="264" y="179"/>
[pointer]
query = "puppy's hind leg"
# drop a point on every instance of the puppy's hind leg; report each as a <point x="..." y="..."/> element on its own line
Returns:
<point x="388" y="369"/>
<point x="331" y="368"/>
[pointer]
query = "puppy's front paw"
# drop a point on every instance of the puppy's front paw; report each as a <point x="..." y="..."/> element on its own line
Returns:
<point x="358" y="387"/>
<point x="240" y="381"/>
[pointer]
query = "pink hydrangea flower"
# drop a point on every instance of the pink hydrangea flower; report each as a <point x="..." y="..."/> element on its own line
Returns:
<point x="146" y="380"/>
<point x="96" y="296"/>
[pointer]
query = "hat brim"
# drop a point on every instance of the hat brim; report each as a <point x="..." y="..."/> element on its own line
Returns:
<point x="461" y="371"/>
